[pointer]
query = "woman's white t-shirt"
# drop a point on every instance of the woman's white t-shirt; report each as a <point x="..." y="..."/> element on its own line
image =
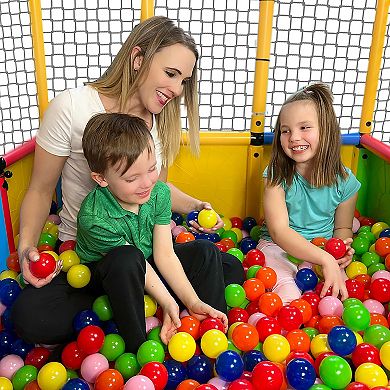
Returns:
<point x="61" y="133"/>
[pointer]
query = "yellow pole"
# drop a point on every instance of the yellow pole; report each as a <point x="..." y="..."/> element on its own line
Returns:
<point x="254" y="174"/>
<point x="39" y="55"/>
<point x="147" y="9"/>
<point x="374" y="63"/>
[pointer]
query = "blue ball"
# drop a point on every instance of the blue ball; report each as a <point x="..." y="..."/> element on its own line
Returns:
<point x="6" y="319"/>
<point x="177" y="218"/>
<point x="385" y="233"/>
<point x="229" y="365"/>
<point x="76" y="384"/>
<point x="7" y="338"/>
<point x="251" y="358"/>
<point x="9" y="291"/>
<point x="341" y="340"/>
<point x="301" y="375"/>
<point x="247" y="244"/>
<point x="21" y="348"/>
<point x="248" y="223"/>
<point x="176" y="374"/>
<point x="110" y="327"/>
<point x="85" y="318"/>
<point x="192" y="216"/>
<point x="306" y="279"/>
<point x="200" y="368"/>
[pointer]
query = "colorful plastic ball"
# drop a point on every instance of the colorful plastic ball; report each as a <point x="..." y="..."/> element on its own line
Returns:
<point x="20" y="347"/>
<point x="300" y="374"/>
<point x="248" y="223"/>
<point x="210" y="323"/>
<point x="236" y="253"/>
<point x="255" y="257"/>
<point x="207" y="218"/>
<point x="76" y="384"/>
<point x="228" y="243"/>
<point x="188" y="384"/>
<point x="267" y="375"/>
<point x="47" y="239"/>
<point x="52" y="376"/>
<point x="371" y="375"/>
<point x="90" y="339"/>
<point x="200" y="368"/>
<point x="190" y="325"/>
<point x="184" y="237"/>
<point x="92" y="366"/>
<point x="306" y="279"/>
<point x="177" y="230"/>
<point x="9" y="365"/>
<point x="370" y="258"/>
<point x="8" y="274"/>
<point x="335" y="247"/>
<point x="237" y="314"/>
<point x="241" y="384"/>
<point x="335" y="372"/>
<point x="252" y="358"/>
<point x="289" y="317"/>
<point x="330" y="306"/>
<point x="276" y="348"/>
<point x="245" y="337"/>
<point x="355" y="289"/>
<point x="365" y="353"/>
<point x="85" y="318"/>
<point x="72" y="356"/>
<point x="139" y="382"/>
<point x="150" y="351"/>
<point x="12" y="262"/>
<point x="113" y="346"/>
<point x="385" y="355"/>
<point x="177" y="218"/>
<point x="127" y="364"/>
<point x="247" y="244"/>
<point x="234" y="295"/>
<point x="372" y="269"/>
<point x="229" y="366"/>
<point x="157" y="373"/>
<point x="7" y="338"/>
<point x="270" y="303"/>
<point x="78" y="275"/>
<point x="384" y="233"/>
<point x="341" y="340"/>
<point x="192" y="216"/>
<point x="69" y="258"/>
<point x="356" y="317"/>
<point x="213" y="342"/>
<point x="9" y="291"/>
<point x="374" y="306"/>
<point x="176" y="373"/>
<point x="181" y="346"/>
<point x="380" y="289"/>
<point x="44" y="266"/>
<point x="37" y="357"/>
<point x="320" y="386"/>
<point x="109" y="379"/>
<point x="268" y="276"/>
<point x="376" y="335"/>
<point x="298" y="340"/>
<point x="67" y="245"/>
<point x="101" y="306"/>
<point x="360" y="245"/>
<point x="319" y="345"/>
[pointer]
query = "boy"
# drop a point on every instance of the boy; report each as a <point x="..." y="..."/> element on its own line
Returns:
<point x="125" y="220"/>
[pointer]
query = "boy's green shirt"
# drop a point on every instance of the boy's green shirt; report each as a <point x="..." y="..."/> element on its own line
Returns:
<point x="102" y="223"/>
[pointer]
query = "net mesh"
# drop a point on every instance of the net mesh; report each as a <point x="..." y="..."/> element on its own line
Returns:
<point x="311" y="41"/>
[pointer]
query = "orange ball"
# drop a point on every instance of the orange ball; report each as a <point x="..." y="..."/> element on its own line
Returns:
<point x="228" y="242"/>
<point x="33" y="385"/>
<point x="382" y="246"/>
<point x="254" y="288"/>
<point x="270" y="303"/>
<point x="109" y="379"/>
<point x="365" y="279"/>
<point x="328" y="322"/>
<point x="188" y="384"/>
<point x="304" y="308"/>
<point x="184" y="237"/>
<point x="245" y="337"/>
<point x="298" y="340"/>
<point x="378" y="319"/>
<point x="319" y="241"/>
<point x="387" y="262"/>
<point x="268" y="276"/>
<point x="190" y="325"/>
<point x="13" y="262"/>
<point x="313" y="322"/>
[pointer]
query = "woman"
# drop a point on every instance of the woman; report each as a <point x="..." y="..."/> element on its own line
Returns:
<point x="154" y="68"/>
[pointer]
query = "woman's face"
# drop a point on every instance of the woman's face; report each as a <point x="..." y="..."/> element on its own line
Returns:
<point x="170" y="69"/>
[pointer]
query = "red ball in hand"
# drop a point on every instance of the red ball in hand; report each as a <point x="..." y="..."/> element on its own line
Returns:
<point x="335" y="247"/>
<point x="43" y="267"/>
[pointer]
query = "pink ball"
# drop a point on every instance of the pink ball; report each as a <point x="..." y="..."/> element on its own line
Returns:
<point x="177" y="230"/>
<point x="355" y="225"/>
<point x="92" y="366"/>
<point x="54" y="218"/>
<point x="10" y="364"/>
<point x="151" y="322"/>
<point x="374" y="306"/>
<point x="139" y="382"/>
<point x="219" y="383"/>
<point x="184" y="313"/>
<point x="380" y="274"/>
<point x="255" y="317"/>
<point x="330" y="306"/>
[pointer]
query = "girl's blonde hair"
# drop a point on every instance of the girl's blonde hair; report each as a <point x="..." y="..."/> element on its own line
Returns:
<point x="122" y="81"/>
<point x="327" y="165"/>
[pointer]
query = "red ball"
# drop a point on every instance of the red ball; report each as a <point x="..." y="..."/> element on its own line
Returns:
<point x="221" y="246"/>
<point x="37" y="357"/>
<point x="210" y="323"/>
<point x="366" y="221"/>
<point x="72" y="356"/>
<point x="13" y="262"/>
<point x="206" y="386"/>
<point x="237" y="314"/>
<point x="365" y="353"/>
<point x="380" y="290"/>
<point x="267" y="375"/>
<point x="313" y="299"/>
<point x="318" y="288"/>
<point x="190" y="325"/>
<point x="90" y="339"/>
<point x="241" y="384"/>
<point x="109" y="379"/>
<point x="336" y="247"/>
<point x="184" y="237"/>
<point x="45" y="266"/>
<point x="357" y="386"/>
<point x="299" y="355"/>
<point x="253" y="307"/>
<point x="236" y="222"/>
<point x="355" y="289"/>
<point x="67" y="245"/>
<point x="290" y="317"/>
<point x="255" y="257"/>
<point x="266" y="326"/>
<point x="157" y="373"/>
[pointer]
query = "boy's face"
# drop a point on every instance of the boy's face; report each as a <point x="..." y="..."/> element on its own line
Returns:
<point x="135" y="185"/>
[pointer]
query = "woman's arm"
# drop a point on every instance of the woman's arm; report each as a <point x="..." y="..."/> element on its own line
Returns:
<point x="35" y="208"/>
<point x="276" y="216"/>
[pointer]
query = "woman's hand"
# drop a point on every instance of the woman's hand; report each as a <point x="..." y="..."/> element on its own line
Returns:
<point x="196" y="227"/>
<point x="202" y="310"/>
<point x="171" y="321"/>
<point x="346" y="260"/>
<point x="333" y="278"/>
<point x="32" y="254"/>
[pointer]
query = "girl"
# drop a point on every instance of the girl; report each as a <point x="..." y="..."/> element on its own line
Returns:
<point x="308" y="192"/>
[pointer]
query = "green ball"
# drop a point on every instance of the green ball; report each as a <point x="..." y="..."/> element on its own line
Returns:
<point x="154" y="334"/>
<point x="245" y="303"/>
<point x="294" y="260"/>
<point x="356" y="317"/>
<point x="252" y="271"/>
<point x="237" y="253"/>
<point x="102" y="308"/>
<point x="364" y="228"/>
<point x="150" y="351"/>
<point x="232" y="347"/>
<point x="113" y="346"/>
<point x="24" y="376"/>
<point x="127" y="364"/>
<point x="376" y="335"/>
<point x="220" y="231"/>
<point x="311" y="332"/>
<point x="368" y="235"/>
<point x="319" y="387"/>
<point x="47" y="239"/>
<point x="335" y="372"/>
<point x="230" y="234"/>
<point x="259" y="347"/>
<point x="370" y="258"/>
<point x="70" y="374"/>
<point x="361" y="245"/>
<point x="234" y="295"/>
<point x="256" y="232"/>
<point x="349" y="302"/>
<point x="375" y="267"/>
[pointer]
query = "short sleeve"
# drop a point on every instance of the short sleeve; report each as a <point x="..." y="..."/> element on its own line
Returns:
<point x="265" y="172"/>
<point x="351" y="185"/>
<point x="54" y="134"/>
<point x="163" y="205"/>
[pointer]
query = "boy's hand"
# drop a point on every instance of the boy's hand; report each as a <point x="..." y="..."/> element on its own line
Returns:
<point x="333" y="278"/>
<point x="171" y="321"/>
<point x="196" y="227"/>
<point x="346" y="260"/>
<point x="202" y="310"/>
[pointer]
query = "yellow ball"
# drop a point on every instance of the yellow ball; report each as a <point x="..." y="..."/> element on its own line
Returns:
<point x="47" y="226"/>
<point x="150" y="306"/>
<point x="8" y="274"/>
<point x="371" y="375"/>
<point x="232" y="327"/>
<point x="384" y="354"/>
<point x="78" y="275"/>
<point x="207" y="218"/>
<point x="182" y="346"/>
<point x="53" y="254"/>
<point x="227" y="223"/>
<point x="319" y="344"/>
<point x="276" y="348"/>
<point x="213" y="342"/>
<point x="5" y="383"/>
<point x="52" y="376"/>
<point x="372" y="248"/>
<point x="238" y="233"/>
<point x="69" y="258"/>
<point x="318" y="270"/>
<point x="54" y="230"/>
<point x="377" y="228"/>
<point x="359" y="338"/>
<point x="355" y="268"/>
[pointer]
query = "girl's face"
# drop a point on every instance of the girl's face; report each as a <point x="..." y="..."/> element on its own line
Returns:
<point x="170" y="69"/>
<point x="299" y="132"/>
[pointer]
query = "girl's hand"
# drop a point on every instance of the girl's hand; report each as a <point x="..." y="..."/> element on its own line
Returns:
<point x="196" y="227"/>
<point x="346" y="260"/>
<point x="333" y="278"/>
<point x="32" y="254"/>
<point x="202" y="310"/>
<point x="171" y="321"/>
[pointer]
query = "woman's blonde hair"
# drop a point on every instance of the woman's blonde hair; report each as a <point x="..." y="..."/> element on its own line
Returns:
<point x="327" y="165"/>
<point x="122" y="81"/>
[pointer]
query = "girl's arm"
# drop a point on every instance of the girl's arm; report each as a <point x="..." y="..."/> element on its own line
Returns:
<point x="276" y="216"/>
<point x="35" y="209"/>
<point x="172" y="271"/>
